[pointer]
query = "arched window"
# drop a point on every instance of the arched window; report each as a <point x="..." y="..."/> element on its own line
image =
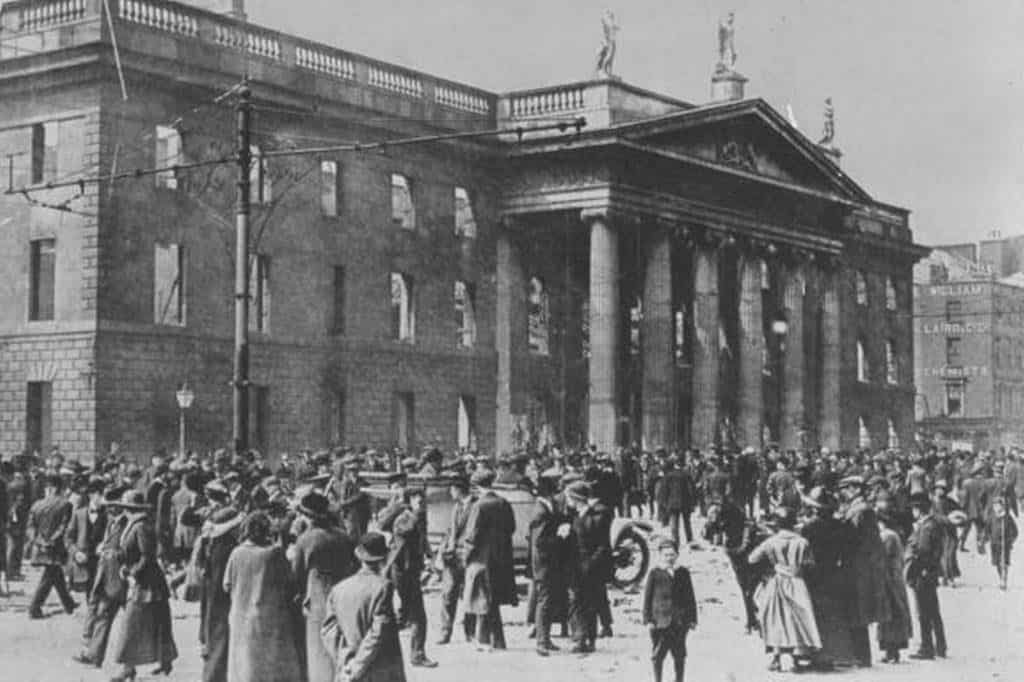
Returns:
<point x="861" y="284"/>
<point x="537" y="317"/>
<point x="890" y="294"/>
<point x="894" y="436"/>
<point x="862" y="363"/>
<point x="403" y="314"/>
<point x="863" y="435"/>
<point x="892" y="370"/>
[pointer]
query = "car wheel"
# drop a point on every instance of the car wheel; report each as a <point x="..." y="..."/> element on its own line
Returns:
<point x="631" y="558"/>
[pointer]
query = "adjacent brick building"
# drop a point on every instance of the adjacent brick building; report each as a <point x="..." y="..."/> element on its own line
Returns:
<point x="624" y="283"/>
<point x="969" y="336"/>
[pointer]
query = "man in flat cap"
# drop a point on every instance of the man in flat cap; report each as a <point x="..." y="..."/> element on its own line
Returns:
<point x="453" y="557"/>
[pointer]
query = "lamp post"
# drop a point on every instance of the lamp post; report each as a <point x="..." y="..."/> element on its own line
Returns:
<point x="185" y="397"/>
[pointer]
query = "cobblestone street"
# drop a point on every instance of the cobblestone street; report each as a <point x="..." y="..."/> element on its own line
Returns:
<point x="982" y="623"/>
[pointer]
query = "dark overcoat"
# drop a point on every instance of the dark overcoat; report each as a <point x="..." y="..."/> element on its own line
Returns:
<point x="489" y="543"/>
<point x="321" y="558"/>
<point x="360" y="633"/>
<point x="48" y="519"/>
<point x="548" y="552"/>
<point x="84" y="535"/>
<point x="866" y="559"/>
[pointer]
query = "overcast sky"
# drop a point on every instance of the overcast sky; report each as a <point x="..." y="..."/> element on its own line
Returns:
<point x="928" y="93"/>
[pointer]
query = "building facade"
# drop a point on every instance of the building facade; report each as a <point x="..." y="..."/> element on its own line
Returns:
<point x="670" y="274"/>
<point x="969" y="337"/>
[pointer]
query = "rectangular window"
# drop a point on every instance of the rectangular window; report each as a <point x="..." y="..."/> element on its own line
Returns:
<point x="169" y="284"/>
<point x="259" y="177"/>
<point x="465" y="314"/>
<point x="45" y="139"/>
<point x="42" y="279"/>
<point x="259" y="415"/>
<point x="403" y="211"/>
<point x="329" y="189"/>
<point x="403" y="313"/>
<point x="338" y="311"/>
<point x="466" y="437"/>
<point x="404" y="420"/>
<point x="259" y="293"/>
<point x="892" y="372"/>
<point x="168" y="153"/>
<point x="954" y="310"/>
<point x="38" y="416"/>
<point x="338" y="418"/>
<point x="952" y="350"/>
<point x="954" y="400"/>
<point x="465" y="221"/>
<point x="537" y="317"/>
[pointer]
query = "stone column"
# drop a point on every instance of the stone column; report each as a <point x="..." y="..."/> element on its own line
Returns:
<point x="830" y="425"/>
<point x="794" y="361"/>
<point x="706" y="402"/>
<point x="509" y="285"/>
<point x="657" y="345"/>
<point x="603" y="412"/>
<point x="750" y="420"/>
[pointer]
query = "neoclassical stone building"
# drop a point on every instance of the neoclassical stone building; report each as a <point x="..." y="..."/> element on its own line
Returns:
<point x="669" y="274"/>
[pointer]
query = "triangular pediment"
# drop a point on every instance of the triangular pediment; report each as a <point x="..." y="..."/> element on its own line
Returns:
<point x="749" y="137"/>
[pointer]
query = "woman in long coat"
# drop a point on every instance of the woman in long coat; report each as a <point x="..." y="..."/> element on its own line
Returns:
<point x="320" y="558"/>
<point x="784" y="604"/>
<point x="893" y="633"/>
<point x="213" y="548"/>
<point x="827" y="580"/>
<point x="146" y="635"/>
<point x="264" y="639"/>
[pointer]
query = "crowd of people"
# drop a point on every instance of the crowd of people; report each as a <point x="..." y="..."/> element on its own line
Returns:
<point x="300" y="573"/>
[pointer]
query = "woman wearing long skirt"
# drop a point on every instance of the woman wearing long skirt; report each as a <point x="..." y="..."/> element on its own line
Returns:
<point x="784" y="604"/>
<point x="893" y="633"/>
<point x="262" y="622"/>
<point x="146" y="635"/>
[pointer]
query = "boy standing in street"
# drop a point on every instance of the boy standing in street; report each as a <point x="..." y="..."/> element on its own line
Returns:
<point x="670" y="609"/>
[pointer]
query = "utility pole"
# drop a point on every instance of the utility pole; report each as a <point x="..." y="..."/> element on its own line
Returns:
<point x="240" y="380"/>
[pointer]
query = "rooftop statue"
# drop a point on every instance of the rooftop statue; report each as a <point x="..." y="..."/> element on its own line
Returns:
<point x="727" y="44"/>
<point x="828" y="132"/>
<point x="606" y="54"/>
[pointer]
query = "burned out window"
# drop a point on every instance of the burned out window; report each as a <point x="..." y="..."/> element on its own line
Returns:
<point x="329" y="189"/>
<point x="403" y="210"/>
<point x="465" y="220"/>
<point x="259" y="293"/>
<point x="465" y="314"/>
<point x="892" y="369"/>
<point x="42" y="279"/>
<point x="890" y="294"/>
<point x="537" y="317"/>
<point x="861" y="285"/>
<point x="259" y="177"/>
<point x="168" y="153"/>
<point x="955" y="400"/>
<point x="863" y="374"/>
<point x="403" y="313"/>
<point x="169" y="284"/>
<point x="466" y="423"/>
<point x="863" y="434"/>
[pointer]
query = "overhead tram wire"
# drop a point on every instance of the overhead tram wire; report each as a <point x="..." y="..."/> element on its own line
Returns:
<point x="519" y="132"/>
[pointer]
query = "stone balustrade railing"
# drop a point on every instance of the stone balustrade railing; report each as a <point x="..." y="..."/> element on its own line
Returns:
<point x="25" y="19"/>
<point x="32" y="16"/>
<point x="554" y="102"/>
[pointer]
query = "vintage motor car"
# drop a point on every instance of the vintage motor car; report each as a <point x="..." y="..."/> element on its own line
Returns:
<point x="629" y="537"/>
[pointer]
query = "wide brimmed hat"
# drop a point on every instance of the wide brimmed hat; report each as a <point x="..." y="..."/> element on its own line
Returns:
<point x="372" y="547"/>
<point x="482" y="478"/>
<point x="132" y="499"/>
<point x="920" y="500"/>
<point x="579" y="491"/>
<point x="314" y="505"/>
<point x="216" y="489"/>
<point x="957" y="517"/>
<point x="851" y="482"/>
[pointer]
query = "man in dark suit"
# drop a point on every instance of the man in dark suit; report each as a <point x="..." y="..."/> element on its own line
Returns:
<point x="549" y="535"/>
<point x="84" y="535"/>
<point x="48" y="520"/>
<point x="592" y="529"/>
<point x="453" y="556"/>
<point x="107" y="592"/>
<point x="675" y="498"/>
<point x="974" y="499"/>
<point x="923" y="568"/>
<point x="489" y="532"/>
<point x="408" y="528"/>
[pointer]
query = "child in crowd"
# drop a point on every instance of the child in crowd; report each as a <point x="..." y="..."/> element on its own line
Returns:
<point x="670" y="609"/>
<point x="1002" y="533"/>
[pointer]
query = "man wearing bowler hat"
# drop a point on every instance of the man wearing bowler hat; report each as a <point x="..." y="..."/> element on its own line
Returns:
<point x="360" y="632"/>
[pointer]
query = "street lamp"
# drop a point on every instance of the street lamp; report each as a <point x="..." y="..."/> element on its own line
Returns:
<point x="780" y="328"/>
<point x="185" y="397"/>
